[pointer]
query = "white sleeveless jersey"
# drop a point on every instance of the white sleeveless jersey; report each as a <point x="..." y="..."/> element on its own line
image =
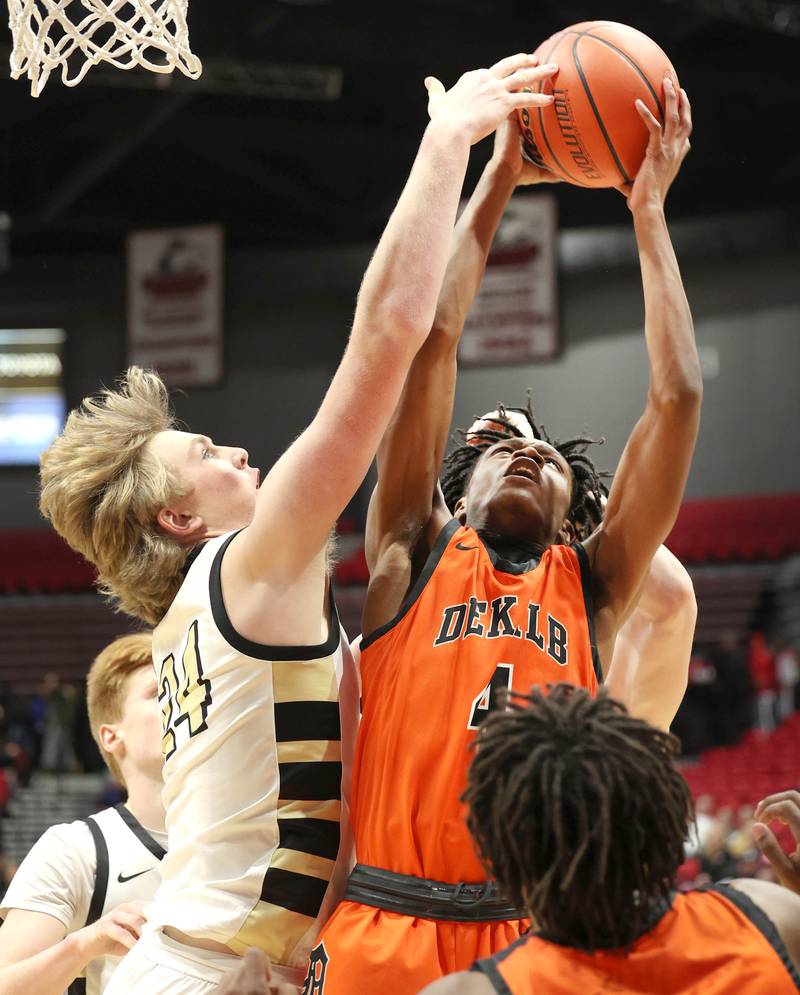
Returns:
<point x="126" y="871"/>
<point x="256" y="741"/>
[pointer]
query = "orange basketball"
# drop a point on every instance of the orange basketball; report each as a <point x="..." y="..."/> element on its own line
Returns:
<point x="592" y="135"/>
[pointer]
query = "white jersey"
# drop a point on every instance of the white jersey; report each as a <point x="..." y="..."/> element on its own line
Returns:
<point x="79" y="871"/>
<point x="256" y="741"/>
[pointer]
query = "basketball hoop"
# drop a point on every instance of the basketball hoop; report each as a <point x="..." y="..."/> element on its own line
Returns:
<point x="77" y="34"/>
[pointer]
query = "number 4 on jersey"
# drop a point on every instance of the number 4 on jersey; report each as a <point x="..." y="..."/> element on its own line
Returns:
<point x="184" y="697"/>
<point x="487" y="701"/>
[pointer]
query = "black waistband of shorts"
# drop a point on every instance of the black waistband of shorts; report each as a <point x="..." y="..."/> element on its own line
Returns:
<point x="427" y="899"/>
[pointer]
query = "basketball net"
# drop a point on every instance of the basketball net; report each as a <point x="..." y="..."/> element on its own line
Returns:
<point x="77" y="34"/>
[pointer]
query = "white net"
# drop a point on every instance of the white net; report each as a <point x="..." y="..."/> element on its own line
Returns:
<point x="77" y="34"/>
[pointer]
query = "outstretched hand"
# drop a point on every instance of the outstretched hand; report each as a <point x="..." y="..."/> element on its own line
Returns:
<point x="482" y="99"/>
<point x="666" y="149"/>
<point x="781" y="807"/>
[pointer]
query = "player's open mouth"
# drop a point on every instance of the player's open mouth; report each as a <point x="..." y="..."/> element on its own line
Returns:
<point x="524" y="467"/>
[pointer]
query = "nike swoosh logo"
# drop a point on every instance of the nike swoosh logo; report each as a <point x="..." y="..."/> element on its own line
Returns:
<point x="122" y="878"/>
<point x="460" y="545"/>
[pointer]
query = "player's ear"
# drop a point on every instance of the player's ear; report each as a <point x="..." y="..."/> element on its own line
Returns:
<point x="110" y="739"/>
<point x="187" y="529"/>
<point x="460" y="510"/>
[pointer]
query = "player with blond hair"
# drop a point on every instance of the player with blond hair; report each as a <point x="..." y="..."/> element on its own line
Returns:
<point x="258" y="693"/>
<point x="75" y="905"/>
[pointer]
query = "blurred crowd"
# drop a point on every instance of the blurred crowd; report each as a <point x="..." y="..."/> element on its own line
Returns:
<point x="722" y="845"/>
<point x="735" y="686"/>
<point x="47" y="730"/>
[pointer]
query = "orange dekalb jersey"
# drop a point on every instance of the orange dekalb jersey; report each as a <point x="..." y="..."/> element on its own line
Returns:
<point x="473" y="624"/>
<point x="711" y="942"/>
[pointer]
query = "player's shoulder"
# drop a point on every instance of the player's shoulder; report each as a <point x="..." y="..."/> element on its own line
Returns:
<point x="779" y="903"/>
<point x="57" y="874"/>
<point x="67" y="836"/>
<point x="776" y="909"/>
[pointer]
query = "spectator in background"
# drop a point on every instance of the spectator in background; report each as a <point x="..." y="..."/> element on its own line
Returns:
<point x="18" y="731"/>
<point x="58" y="725"/>
<point x="733" y="712"/>
<point x="787" y="670"/>
<point x="692" y="724"/>
<point x="716" y="860"/>
<point x="702" y="826"/>
<point x="761" y="663"/>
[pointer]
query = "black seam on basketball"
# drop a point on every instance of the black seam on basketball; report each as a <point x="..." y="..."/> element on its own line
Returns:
<point x="595" y="111"/>
<point x="636" y="66"/>
<point x="564" y="170"/>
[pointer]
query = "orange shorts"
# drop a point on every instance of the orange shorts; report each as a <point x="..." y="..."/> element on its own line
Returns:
<point x="363" y="949"/>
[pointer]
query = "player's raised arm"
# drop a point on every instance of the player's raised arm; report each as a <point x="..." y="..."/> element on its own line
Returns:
<point x="411" y="451"/>
<point x="313" y="481"/>
<point x="649" y="483"/>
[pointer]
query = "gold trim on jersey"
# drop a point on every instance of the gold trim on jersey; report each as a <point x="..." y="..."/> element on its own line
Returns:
<point x="302" y="863"/>
<point x="329" y="809"/>
<point x="309" y="750"/>
<point x="273" y="929"/>
<point x="305" y="680"/>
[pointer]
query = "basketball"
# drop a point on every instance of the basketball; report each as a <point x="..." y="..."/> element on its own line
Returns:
<point x="592" y="134"/>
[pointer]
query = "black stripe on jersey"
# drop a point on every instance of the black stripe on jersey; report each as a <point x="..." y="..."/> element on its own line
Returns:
<point x="261" y="651"/>
<point x="431" y="563"/>
<point x="78" y="987"/>
<point x="588" y="603"/>
<point x="319" y="837"/>
<point x="100" y="874"/>
<point x="489" y="969"/>
<point x="314" y="781"/>
<point x="297" y="720"/>
<point x="194" y="552"/>
<point x="488" y="966"/>
<point x="496" y="546"/>
<point x="140" y="832"/>
<point x="759" y="918"/>
<point x="295" y="892"/>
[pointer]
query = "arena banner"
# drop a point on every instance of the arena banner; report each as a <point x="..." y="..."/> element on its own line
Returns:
<point x="175" y="303"/>
<point x="515" y="316"/>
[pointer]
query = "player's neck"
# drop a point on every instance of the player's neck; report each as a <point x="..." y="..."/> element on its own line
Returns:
<point x="144" y="800"/>
<point x="512" y="548"/>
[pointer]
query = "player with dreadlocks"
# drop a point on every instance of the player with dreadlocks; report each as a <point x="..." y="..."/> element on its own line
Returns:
<point x="499" y="596"/>
<point x="649" y="666"/>
<point x="588" y="490"/>
<point x="580" y="815"/>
